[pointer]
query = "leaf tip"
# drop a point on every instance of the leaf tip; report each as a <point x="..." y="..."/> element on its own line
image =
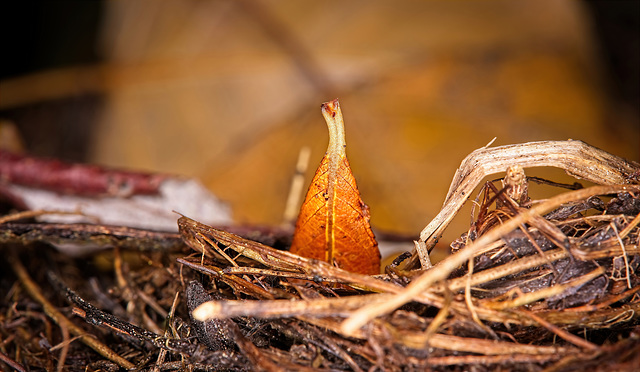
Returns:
<point x="331" y="108"/>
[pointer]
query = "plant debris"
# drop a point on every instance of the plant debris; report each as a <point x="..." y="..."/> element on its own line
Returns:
<point x="532" y="285"/>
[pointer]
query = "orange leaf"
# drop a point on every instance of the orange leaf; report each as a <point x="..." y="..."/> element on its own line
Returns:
<point x="333" y="224"/>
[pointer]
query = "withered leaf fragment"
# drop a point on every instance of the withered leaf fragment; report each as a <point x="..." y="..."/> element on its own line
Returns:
<point x="333" y="224"/>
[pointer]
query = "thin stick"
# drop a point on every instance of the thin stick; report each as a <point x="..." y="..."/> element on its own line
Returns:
<point x="36" y="213"/>
<point x="634" y="222"/>
<point x="531" y="297"/>
<point x="441" y="316"/>
<point x="163" y="352"/>
<point x="96" y="236"/>
<point x="218" y="250"/>
<point x="509" y="268"/>
<point x="292" y="207"/>
<point x="603" y="304"/>
<point x="338" y="306"/>
<point x="11" y="363"/>
<point x="267" y="272"/>
<point x="562" y="333"/>
<point x="467" y="295"/>
<point x="423" y="254"/>
<point x="484" y="360"/>
<point x="624" y="254"/>
<point x="65" y="347"/>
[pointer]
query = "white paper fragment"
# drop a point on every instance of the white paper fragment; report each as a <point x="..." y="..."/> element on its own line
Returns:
<point x="153" y="212"/>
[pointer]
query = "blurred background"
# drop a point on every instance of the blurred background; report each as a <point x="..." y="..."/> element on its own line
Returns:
<point x="230" y="91"/>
